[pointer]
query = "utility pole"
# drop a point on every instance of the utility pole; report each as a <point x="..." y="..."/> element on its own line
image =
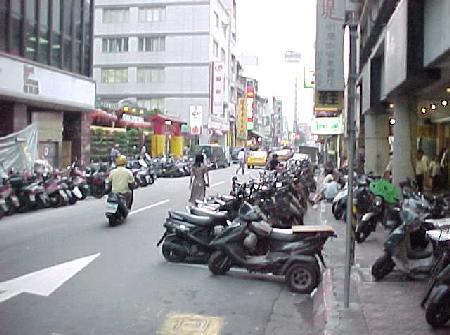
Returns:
<point x="349" y="245"/>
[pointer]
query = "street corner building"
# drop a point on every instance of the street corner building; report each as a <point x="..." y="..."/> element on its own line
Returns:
<point x="45" y="74"/>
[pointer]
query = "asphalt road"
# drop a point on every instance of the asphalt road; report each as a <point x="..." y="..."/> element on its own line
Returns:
<point x="126" y="286"/>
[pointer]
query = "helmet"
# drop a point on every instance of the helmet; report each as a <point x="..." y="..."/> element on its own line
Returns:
<point x="121" y="160"/>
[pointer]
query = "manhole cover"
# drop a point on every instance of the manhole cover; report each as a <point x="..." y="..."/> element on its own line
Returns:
<point x="190" y="324"/>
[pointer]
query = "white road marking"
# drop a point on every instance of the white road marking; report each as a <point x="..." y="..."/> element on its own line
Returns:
<point x="217" y="184"/>
<point x="44" y="282"/>
<point x="149" y="206"/>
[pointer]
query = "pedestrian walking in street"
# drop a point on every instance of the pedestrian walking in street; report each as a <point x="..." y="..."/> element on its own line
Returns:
<point x="273" y="162"/>
<point x="199" y="179"/>
<point x="421" y="169"/>
<point x="114" y="154"/>
<point x="143" y="151"/>
<point x="241" y="159"/>
<point x="435" y="168"/>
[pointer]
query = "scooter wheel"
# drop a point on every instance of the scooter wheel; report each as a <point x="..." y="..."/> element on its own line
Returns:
<point x="115" y="220"/>
<point x="218" y="263"/>
<point x="361" y="233"/>
<point x="382" y="267"/>
<point x="302" y="277"/>
<point x="173" y="251"/>
<point x="151" y="180"/>
<point x="437" y="312"/>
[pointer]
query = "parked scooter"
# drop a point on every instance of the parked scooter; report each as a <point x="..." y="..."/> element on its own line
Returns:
<point x="187" y="236"/>
<point x="257" y="247"/>
<point x="437" y="297"/>
<point x="406" y="247"/>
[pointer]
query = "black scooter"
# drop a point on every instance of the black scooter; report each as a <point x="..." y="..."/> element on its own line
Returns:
<point x="116" y="209"/>
<point x="257" y="247"/>
<point x="187" y="236"/>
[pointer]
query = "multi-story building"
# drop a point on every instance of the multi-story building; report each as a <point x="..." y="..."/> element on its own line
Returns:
<point x="169" y="56"/>
<point x="45" y="70"/>
<point x="404" y="85"/>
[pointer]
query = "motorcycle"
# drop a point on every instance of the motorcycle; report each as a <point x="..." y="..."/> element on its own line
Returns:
<point x="187" y="236"/>
<point x="95" y="177"/>
<point x="256" y="246"/>
<point x="437" y="295"/>
<point x="406" y="247"/>
<point x="116" y="210"/>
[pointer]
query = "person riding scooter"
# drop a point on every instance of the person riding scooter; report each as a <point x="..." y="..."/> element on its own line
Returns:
<point x="122" y="180"/>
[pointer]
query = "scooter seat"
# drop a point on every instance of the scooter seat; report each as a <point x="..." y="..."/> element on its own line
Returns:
<point x="194" y="219"/>
<point x="419" y="254"/>
<point x="208" y="213"/>
<point x="284" y="237"/>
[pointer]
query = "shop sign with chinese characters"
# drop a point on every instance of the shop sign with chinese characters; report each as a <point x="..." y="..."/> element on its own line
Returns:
<point x="241" y="120"/>
<point x="330" y="45"/>
<point x="327" y="126"/>
<point x="218" y="87"/>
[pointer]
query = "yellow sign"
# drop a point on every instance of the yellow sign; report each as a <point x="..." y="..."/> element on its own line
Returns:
<point x="241" y="120"/>
<point x="191" y="324"/>
<point x="328" y="101"/>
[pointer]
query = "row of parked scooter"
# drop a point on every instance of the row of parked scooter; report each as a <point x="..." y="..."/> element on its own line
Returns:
<point x="417" y="241"/>
<point x="258" y="227"/>
<point x="44" y="186"/>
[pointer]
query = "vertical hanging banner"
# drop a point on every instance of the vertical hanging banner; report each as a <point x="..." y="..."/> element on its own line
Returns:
<point x="241" y="120"/>
<point x="330" y="45"/>
<point x="195" y="120"/>
<point x="218" y="88"/>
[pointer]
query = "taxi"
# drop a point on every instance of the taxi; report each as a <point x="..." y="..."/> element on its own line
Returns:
<point x="256" y="158"/>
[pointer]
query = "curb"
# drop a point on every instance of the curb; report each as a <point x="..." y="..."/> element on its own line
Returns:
<point x="330" y="316"/>
<point x="322" y="303"/>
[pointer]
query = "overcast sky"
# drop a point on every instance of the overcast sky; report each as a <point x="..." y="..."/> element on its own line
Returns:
<point x="267" y="28"/>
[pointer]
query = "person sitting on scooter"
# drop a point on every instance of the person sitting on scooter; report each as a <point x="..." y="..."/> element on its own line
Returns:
<point x="122" y="180"/>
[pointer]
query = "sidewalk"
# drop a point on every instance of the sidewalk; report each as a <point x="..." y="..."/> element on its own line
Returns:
<point x="389" y="307"/>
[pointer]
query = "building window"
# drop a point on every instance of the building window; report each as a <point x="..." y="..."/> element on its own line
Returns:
<point x="233" y="63"/>
<point x="115" y="76"/>
<point x="115" y="15"/>
<point x="222" y="55"/>
<point x="67" y="34"/>
<point x="16" y="28"/>
<point x="216" y="17"/>
<point x="152" y="44"/>
<point x="3" y="24"/>
<point x="151" y="104"/>
<point x="233" y="37"/>
<point x="224" y="29"/>
<point x="43" y="44"/>
<point x="30" y="29"/>
<point x="55" y="50"/>
<point x="152" y="14"/>
<point x="87" y="19"/>
<point x="78" y="36"/>
<point x="115" y="45"/>
<point x="150" y="75"/>
<point x="216" y="49"/>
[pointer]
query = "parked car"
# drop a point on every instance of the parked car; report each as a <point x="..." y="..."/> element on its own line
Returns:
<point x="256" y="158"/>
<point x="215" y="155"/>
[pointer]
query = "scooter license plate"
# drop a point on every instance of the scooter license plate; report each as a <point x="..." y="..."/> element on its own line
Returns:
<point x="63" y="195"/>
<point x="32" y="198"/>
<point x="111" y="207"/>
<point x="77" y="192"/>
<point x="15" y="201"/>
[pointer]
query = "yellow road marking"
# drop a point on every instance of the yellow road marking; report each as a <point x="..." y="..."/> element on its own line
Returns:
<point x="191" y="324"/>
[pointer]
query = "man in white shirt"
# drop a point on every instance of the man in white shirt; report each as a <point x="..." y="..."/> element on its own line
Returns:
<point x="241" y="159"/>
